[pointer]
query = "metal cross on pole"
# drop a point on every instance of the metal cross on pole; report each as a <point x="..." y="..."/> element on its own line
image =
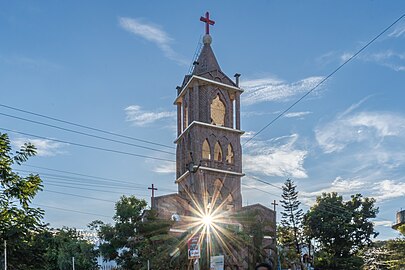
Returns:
<point x="274" y="203"/>
<point x="152" y="200"/>
<point x="207" y="21"/>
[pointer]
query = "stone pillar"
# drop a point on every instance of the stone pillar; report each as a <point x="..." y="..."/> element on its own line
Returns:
<point x="196" y="102"/>
<point x="179" y="130"/>
<point x="237" y="110"/>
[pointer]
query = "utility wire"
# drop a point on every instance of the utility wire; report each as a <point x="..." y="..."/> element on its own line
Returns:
<point x="83" y="181"/>
<point x="83" y="126"/>
<point x="92" y="189"/>
<point x="262" y="181"/>
<point x="248" y="186"/>
<point x="88" y="146"/>
<point x="80" y="196"/>
<point x="86" y="134"/>
<point x="324" y="79"/>
<point x="91" y="176"/>
<point x="70" y="210"/>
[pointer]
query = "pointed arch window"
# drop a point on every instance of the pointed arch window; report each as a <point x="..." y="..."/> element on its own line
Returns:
<point x="217" y="112"/>
<point x="206" y="150"/>
<point x="217" y="152"/>
<point x="230" y="155"/>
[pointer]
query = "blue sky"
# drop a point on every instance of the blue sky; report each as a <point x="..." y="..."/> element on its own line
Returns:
<point x="115" y="67"/>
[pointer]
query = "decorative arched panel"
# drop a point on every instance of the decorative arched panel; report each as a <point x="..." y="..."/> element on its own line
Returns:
<point x="218" y="111"/>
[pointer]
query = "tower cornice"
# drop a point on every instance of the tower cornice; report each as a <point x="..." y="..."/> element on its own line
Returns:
<point x="203" y="168"/>
<point x="208" y="125"/>
<point x="205" y="81"/>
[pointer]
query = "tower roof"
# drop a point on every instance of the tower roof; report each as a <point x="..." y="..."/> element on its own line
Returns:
<point x="207" y="65"/>
<point x="206" y="61"/>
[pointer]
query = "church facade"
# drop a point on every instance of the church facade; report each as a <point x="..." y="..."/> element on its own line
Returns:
<point x="209" y="153"/>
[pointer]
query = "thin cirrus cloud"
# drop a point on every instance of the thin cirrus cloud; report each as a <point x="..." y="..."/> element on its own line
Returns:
<point x="299" y="115"/>
<point x="44" y="148"/>
<point x="271" y="89"/>
<point x="398" y="31"/>
<point x="154" y="34"/>
<point x="389" y="189"/>
<point x="388" y="58"/>
<point x="339" y="185"/>
<point x="165" y="168"/>
<point x="139" y="117"/>
<point x="277" y="157"/>
<point x="359" y="127"/>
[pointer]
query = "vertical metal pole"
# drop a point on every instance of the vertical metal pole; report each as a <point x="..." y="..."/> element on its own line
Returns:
<point x="5" y="254"/>
<point x="148" y="265"/>
<point x="73" y="263"/>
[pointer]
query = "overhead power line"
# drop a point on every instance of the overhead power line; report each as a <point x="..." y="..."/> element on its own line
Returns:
<point x="91" y="189"/>
<point x="86" y="134"/>
<point x="264" y="191"/>
<point x="262" y="181"/>
<point x="70" y="210"/>
<point x="324" y="79"/>
<point x="113" y="180"/>
<point x="80" y="196"/>
<point x="87" y="146"/>
<point x="84" y="126"/>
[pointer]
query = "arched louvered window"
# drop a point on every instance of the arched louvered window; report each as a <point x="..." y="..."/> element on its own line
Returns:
<point x="206" y="150"/>
<point x="230" y="155"/>
<point x="217" y="152"/>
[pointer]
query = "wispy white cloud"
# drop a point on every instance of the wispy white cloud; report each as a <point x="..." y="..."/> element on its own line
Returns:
<point x="277" y="157"/>
<point x="296" y="114"/>
<point x="359" y="127"/>
<point x="383" y="223"/>
<point x="165" y="168"/>
<point x="38" y="64"/>
<point x="154" y="34"/>
<point x="139" y="117"/>
<point x="388" y="58"/>
<point x="44" y="147"/>
<point x="398" y="31"/>
<point x="339" y="185"/>
<point x="389" y="189"/>
<point x="271" y="89"/>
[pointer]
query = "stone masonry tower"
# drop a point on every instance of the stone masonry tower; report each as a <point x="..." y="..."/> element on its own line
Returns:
<point x="208" y="134"/>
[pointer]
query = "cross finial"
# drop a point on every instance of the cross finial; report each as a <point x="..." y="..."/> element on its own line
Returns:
<point x="274" y="203"/>
<point x="208" y="22"/>
<point x="153" y="195"/>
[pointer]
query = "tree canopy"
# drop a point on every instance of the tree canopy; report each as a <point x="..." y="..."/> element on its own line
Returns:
<point x="136" y="237"/>
<point x="341" y="228"/>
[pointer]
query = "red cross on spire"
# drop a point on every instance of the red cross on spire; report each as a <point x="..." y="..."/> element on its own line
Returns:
<point x="208" y="22"/>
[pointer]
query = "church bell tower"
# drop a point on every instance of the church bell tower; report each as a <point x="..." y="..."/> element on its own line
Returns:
<point x="209" y="153"/>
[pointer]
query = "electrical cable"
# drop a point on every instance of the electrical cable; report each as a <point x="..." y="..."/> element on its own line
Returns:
<point x="80" y="196"/>
<point x="88" y="146"/>
<point x="86" y="134"/>
<point x="112" y="180"/>
<point x="83" y="126"/>
<point x="70" y="210"/>
<point x="324" y="79"/>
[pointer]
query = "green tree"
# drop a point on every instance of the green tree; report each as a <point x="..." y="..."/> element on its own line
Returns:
<point x="136" y="237"/>
<point x="62" y="245"/>
<point x="342" y="228"/>
<point x="18" y="221"/>
<point x="291" y="221"/>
